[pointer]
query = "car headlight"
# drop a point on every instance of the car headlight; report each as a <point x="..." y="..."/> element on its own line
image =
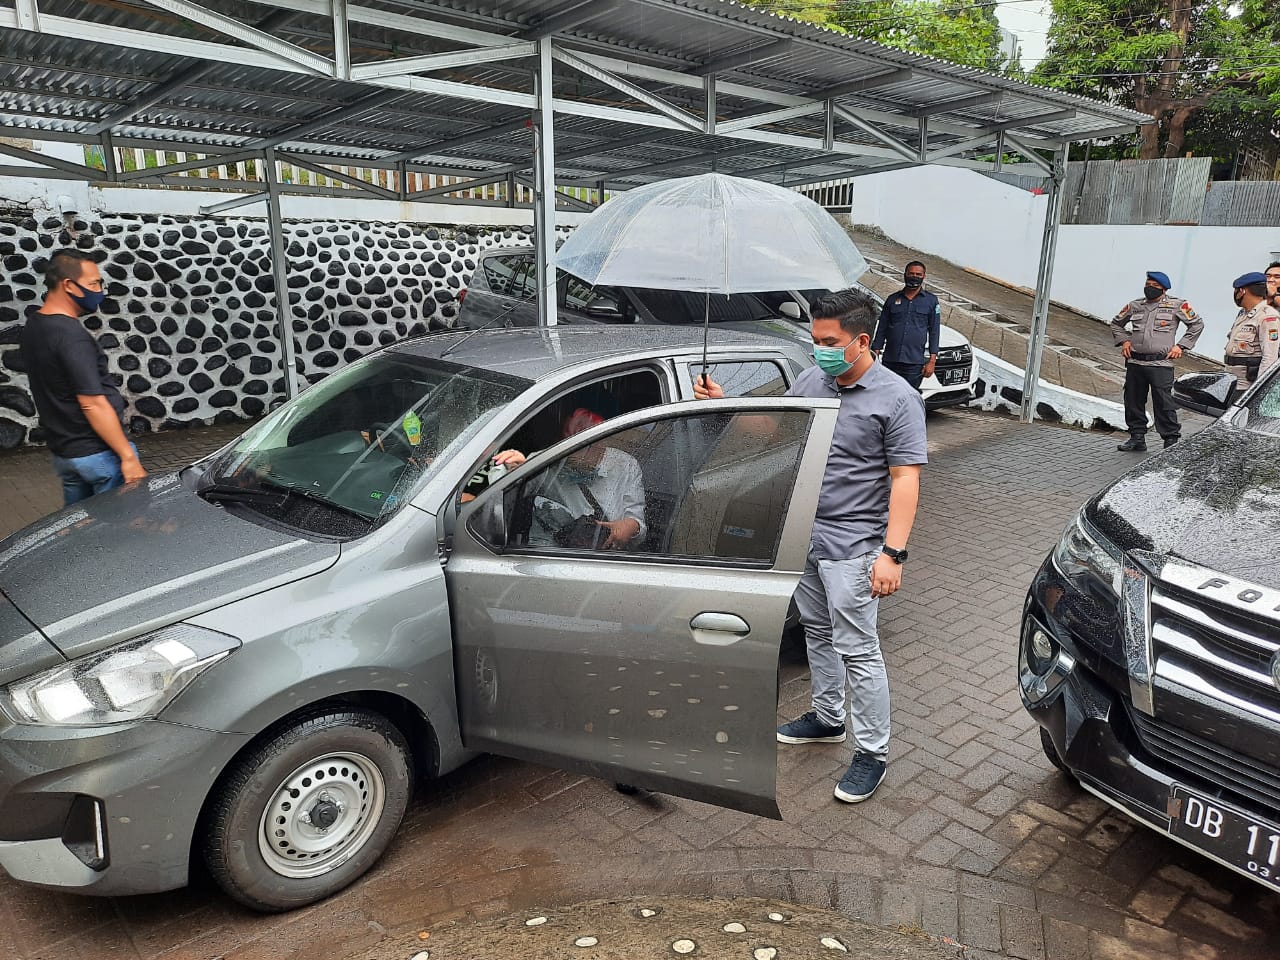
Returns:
<point x="1085" y="555"/>
<point x="131" y="681"/>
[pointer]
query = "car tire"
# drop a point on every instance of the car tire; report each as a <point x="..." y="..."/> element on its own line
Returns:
<point x="308" y="811"/>
<point x="1051" y="753"/>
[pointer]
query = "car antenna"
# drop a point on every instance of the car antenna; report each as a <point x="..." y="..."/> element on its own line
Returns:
<point x="484" y="326"/>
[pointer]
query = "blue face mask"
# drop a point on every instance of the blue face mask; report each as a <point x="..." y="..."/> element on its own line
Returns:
<point x="88" y="300"/>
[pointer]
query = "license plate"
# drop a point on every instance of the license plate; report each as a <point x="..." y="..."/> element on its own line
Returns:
<point x="954" y="375"/>
<point x="1228" y="834"/>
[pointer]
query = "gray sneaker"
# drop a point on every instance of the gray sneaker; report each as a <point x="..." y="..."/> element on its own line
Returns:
<point x="862" y="778"/>
<point x="809" y="729"/>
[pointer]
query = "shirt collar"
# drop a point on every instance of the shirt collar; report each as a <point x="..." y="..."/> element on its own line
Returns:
<point x="861" y="383"/>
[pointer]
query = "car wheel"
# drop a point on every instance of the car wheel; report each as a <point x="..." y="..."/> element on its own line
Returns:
<point x="1051" y="753"/>
<point x="310" y="810"/>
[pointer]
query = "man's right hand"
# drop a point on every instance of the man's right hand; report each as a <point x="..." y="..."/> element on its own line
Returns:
<point x="704" y="388"/>
<point x="132" y="470"/>
<point x="509" y="458"/>
<point x="1127" y="349"/>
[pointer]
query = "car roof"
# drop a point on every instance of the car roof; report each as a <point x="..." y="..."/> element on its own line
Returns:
<point x="536" y="352"/>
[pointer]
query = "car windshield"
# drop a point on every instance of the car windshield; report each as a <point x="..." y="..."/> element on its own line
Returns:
<point x="683" y="307"/>
<point x="348" y="451"/>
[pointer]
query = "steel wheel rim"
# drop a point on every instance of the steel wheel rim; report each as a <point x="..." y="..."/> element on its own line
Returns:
<point x="347" y="787"/>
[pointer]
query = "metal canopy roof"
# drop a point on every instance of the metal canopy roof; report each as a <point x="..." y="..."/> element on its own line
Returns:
<point x="642" y="90"/>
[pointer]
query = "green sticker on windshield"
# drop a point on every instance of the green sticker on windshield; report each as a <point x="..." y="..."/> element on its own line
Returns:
<point x="375" y="495"/>
<point x="412" y="428"/>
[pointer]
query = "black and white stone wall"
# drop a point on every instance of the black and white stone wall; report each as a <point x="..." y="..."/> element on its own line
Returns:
<point x="189" y="326"/>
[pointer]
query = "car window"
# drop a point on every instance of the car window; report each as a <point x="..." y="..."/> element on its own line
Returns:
<point x="512" y="275"/>
<point x="694" y="486"/>
<point x="357" y="444"/>
<point x="1264" y="408"/>
<point x="683" y="307"/>
<point x="745" y="378"/>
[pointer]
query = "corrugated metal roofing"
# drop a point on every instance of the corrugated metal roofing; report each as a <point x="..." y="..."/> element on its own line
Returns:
<point x="65" y="82"/>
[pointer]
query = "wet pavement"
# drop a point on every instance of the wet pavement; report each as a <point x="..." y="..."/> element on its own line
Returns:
<point x="972" y="837"/>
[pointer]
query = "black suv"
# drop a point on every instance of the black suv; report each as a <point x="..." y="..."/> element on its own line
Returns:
<point x="503" y="291"/>
<point x="1150" y="647"/>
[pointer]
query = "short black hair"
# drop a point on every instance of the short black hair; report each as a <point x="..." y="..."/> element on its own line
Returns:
<point x="1273" y="263"/>
<point x="915" y="263"/>
<point x="855" y="311"/>
<point x="1257" y="289"/>
<point x="65" y="264"/>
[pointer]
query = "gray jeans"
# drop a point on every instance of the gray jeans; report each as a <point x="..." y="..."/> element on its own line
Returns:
<point x="839" y="616"/>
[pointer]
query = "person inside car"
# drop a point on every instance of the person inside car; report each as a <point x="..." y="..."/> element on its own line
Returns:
<point x="592" y="498"/>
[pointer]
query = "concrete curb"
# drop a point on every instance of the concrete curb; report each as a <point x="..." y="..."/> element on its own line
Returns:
<point x="999" y="388"/>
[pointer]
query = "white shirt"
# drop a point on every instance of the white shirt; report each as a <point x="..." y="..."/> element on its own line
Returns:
<point x="617" y="485"/>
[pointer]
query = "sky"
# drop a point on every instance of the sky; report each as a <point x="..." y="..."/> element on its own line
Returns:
<point x="1029" y="19"/>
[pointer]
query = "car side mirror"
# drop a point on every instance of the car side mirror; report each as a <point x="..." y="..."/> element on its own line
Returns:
<point x="1207" y="393"/>
<point x="602" y="307"/>
<point x="791" y="310"/>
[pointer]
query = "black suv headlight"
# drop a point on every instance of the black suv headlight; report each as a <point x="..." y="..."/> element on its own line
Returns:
<point x="1090" y="561"/>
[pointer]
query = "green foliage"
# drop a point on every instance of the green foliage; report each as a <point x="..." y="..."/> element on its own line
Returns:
<point x="1207" y="70"/>
<point x="960" y="31"/>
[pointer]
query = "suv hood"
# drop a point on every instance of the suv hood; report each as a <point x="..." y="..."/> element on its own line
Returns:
<point x="138" y="558"/>
<point x="1212" y="500"/>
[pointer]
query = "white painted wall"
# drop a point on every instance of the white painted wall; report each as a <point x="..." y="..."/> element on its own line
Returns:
<point x="989" y="226"/>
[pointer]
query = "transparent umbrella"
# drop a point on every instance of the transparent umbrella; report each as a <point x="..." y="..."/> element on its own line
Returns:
<point x="712" y="234"/>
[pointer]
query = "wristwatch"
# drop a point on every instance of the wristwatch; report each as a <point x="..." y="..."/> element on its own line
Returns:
<point x="897" y="556"/>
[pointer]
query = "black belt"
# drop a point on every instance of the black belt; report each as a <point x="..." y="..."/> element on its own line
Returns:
<point x="1148" y="356"/>
<point x="1251" y="365"/>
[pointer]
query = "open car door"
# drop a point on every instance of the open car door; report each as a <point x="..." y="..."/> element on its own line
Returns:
<point x="652" y="662"/>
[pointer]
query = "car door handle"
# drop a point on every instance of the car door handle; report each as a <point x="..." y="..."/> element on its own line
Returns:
<point x="718" y="629"/>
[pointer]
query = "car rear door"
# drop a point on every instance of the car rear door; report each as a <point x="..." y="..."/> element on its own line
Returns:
<point x="654" y="664"/>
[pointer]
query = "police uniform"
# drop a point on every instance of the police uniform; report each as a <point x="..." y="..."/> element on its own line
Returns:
<point x="1254" y="342"/>
<point x="1151" y="327"/>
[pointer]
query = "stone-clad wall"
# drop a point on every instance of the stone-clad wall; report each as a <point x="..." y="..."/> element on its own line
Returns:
<point x="189" y="326"/>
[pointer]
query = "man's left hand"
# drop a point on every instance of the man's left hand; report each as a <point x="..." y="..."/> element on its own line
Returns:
<point x="621" y="532"/>
<point x="1175" y="353"/>
<point x="886" y="576"/>
<point x="929" y="365"/>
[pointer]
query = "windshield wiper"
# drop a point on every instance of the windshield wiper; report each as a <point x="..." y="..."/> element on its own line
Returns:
<point x="308" y="494"/>
<point x="272" y="490"/>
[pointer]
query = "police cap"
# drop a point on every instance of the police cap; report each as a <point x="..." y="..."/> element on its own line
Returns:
<point x="1160" y="278"/>
<point x="1248" y="280"/>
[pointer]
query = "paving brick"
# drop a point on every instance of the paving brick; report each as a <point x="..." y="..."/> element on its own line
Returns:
<point x="1022" y="932"/>
<point x="980" y="923"/>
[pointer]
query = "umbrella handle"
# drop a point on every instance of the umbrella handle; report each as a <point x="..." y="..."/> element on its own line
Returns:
<point x="706" y="328"/>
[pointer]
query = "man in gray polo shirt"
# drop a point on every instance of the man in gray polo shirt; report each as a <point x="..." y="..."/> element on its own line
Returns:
<point x="865" y="513"/>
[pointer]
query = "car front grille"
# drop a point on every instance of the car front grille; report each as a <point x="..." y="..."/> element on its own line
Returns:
<point x="1211" y="761"/>
<point x="955" y="355"/>
<point x="1217" y="706"/>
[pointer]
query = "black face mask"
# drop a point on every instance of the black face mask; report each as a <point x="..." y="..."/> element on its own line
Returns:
<point x="1239" y="299"/>
<point x="1152" y="293"/>
<point x="913" y="283"/>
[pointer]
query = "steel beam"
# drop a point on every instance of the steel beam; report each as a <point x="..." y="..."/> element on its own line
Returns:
<point x="572" y="16"/>
<point x="477" y="136"/>
<point x="371" y="188"/>
<point x="284" y="311"/>
<point x="690" y="160"/>
<point x="441" y="61"/>
<point x="203" y="163"/>
<point x="962" y="146"/>
<point x="28" y="12"/>
<point x="477" y="181"/>
<point x="341" y="39"/>
<point x="329" y="118"/>
<point x="154" y="96"/>
<point x="743" y="58"/>
<point x="892" y="142"/>
<point x="258" y="39"/>
<point x="1029" y="153"/>
<point x="685" y="119"/>
<point x="544" y="203"/>
<point x="768" y="116"/>
<point x="222" y="206"/>
<point x="1044" y="285"/>
<point x="1031" y="121"/>
<point x="42" y="161"/>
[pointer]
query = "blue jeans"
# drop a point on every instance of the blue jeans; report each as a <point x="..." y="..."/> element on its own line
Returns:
<point x="839" y="616"/>
<point x="82" y="477"/>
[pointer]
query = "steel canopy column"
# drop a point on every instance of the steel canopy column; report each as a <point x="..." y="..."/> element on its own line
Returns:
<point x="284" y="312"/>
<point x="1044" y="281"/>
<point x="544" y="200"/>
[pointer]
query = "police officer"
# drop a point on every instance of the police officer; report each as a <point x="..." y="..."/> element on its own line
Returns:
<point x="908" y="319"/>
<point x="1146" y="331"/>
<point x="1254" y="342"/>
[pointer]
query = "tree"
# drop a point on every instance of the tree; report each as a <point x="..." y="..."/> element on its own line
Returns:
<point x="1180" y="61"/>
<point x="961" y="31"/>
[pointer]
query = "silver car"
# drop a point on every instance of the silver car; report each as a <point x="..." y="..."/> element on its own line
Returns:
<point x="250" y="662"/>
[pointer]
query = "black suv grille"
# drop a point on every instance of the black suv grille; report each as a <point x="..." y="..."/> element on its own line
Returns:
<point x="1211" y="761"/>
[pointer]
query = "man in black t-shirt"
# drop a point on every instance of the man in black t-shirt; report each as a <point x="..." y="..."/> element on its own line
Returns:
<point x="79" y="407"/>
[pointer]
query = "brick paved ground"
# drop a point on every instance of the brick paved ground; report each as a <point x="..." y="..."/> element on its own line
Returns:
<point x="972" y="836"/>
